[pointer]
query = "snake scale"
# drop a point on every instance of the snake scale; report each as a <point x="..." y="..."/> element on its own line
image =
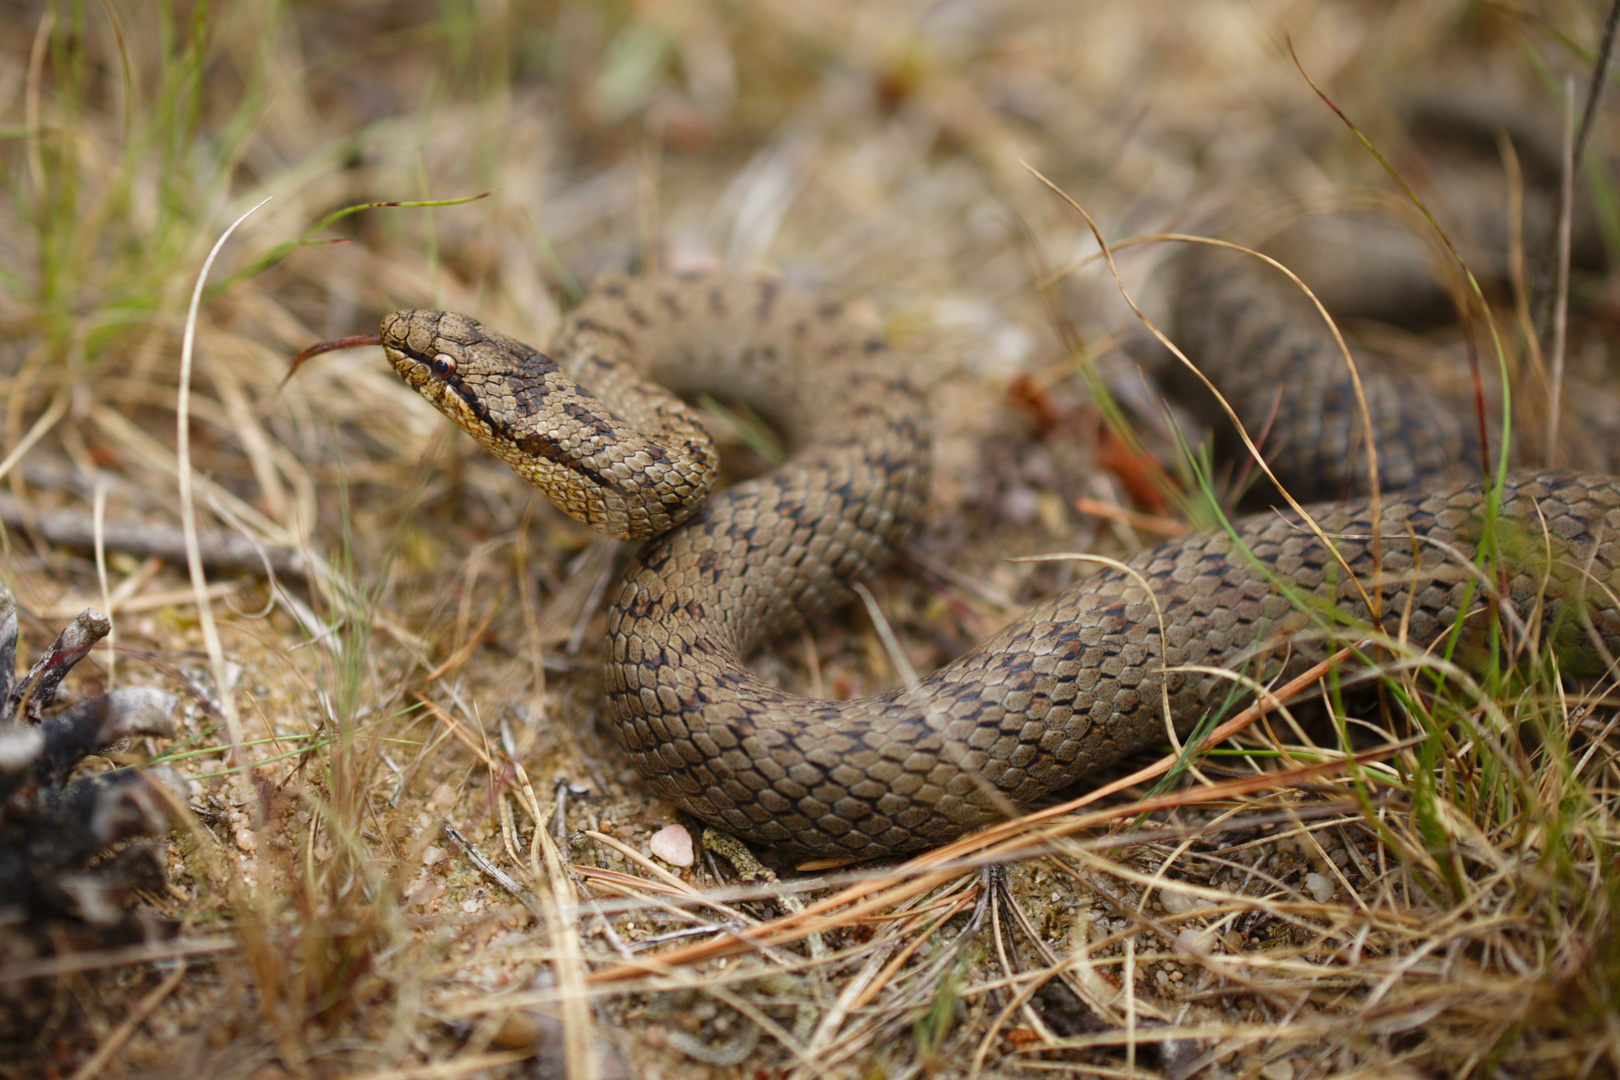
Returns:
<point x="1084" y="678"/>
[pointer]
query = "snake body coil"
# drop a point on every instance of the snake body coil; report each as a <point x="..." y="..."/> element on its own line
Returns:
<point x="1084" y="678"/>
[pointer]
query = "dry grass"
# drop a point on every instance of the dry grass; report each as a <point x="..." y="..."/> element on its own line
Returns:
<point x="415" y="689"/>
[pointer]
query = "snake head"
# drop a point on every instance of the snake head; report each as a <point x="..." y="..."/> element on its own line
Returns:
<point x="479" y="378"/>
<point x="560" y="437"/>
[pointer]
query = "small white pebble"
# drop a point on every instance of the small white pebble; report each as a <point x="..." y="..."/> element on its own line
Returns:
<point x="673" y="844"/>
<point x="1321" y="888"/>
<point x="1180" y="903"/>
<point x="1278" y="1070"/>
<point x="1196" y="944"/>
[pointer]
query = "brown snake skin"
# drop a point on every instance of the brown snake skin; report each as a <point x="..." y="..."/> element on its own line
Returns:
<point x="1082" y="679"/>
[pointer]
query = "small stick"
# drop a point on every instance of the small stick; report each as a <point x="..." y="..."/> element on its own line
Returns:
<point x="223" y="552"/>
<point x="487" y="868"/>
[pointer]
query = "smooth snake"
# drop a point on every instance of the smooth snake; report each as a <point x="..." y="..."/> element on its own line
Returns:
<point x="1083" y="678"/>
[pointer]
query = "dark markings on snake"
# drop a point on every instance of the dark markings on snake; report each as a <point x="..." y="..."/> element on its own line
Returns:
<point x="589" y="417"/>
<point x="672" y="304"/>
<point x="766" y="302"/>
<point x="475" y="404"/>
<point x="542" y="444"/>
<point x="601" y="329"/>
<point x="529" y="398"/>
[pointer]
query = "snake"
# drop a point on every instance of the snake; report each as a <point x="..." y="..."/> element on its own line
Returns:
<point x="1526" y="564"/>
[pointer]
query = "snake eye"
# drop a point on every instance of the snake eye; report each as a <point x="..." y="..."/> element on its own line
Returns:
<point x="442" y="365"/>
